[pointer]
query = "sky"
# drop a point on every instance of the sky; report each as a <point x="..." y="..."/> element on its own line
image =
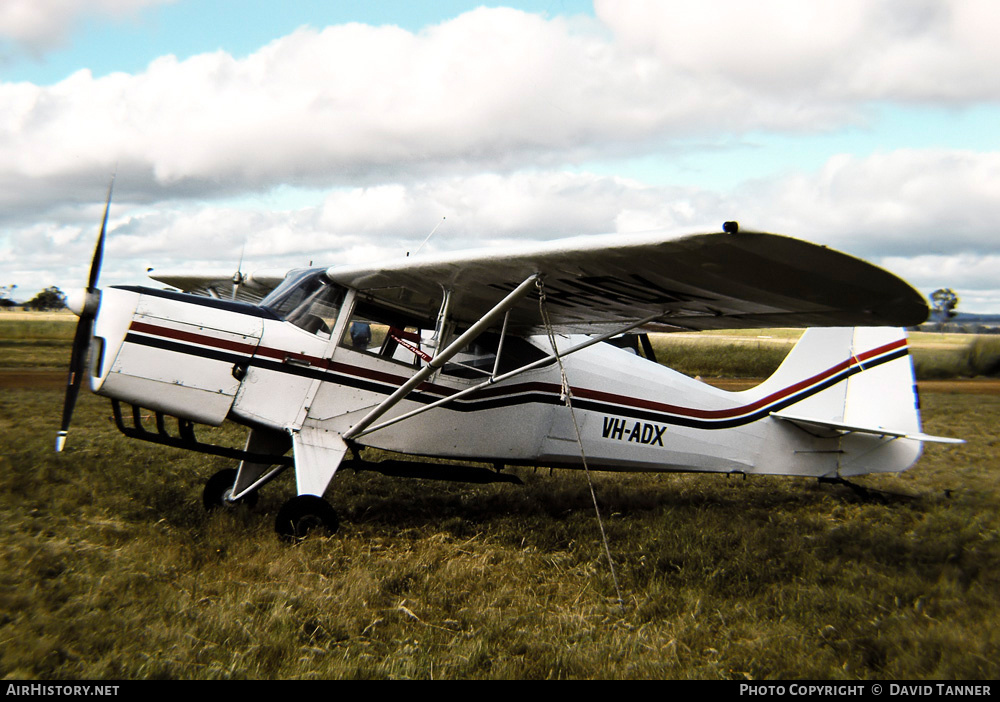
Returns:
<point x="318" y="132"/>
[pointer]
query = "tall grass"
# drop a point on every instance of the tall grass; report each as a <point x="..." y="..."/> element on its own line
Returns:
<point x="984" y="356"/>
<point x="26" y="342"/>
<point x="110" y="569"/>
<point x="967" y="356"/>
<point x="979" y="357"/>
<point x="26" y="327"/>
<point x="721" y="358"/>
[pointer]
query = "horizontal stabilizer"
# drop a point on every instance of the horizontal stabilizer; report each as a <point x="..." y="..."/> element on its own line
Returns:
<point x="849" y="428"/>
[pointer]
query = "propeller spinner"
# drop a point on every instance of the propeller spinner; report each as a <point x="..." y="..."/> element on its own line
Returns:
<point x="84" y="328"/>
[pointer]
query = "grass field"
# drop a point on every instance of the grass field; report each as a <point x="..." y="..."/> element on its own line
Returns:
<point x="112" y="570"/>
<point x="758" y="354"/>
<point x="40" y="340"/>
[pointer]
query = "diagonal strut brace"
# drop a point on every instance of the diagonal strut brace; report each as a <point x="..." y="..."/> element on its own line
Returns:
<point x="499" y="378"/>
<point x="443" y="357"/>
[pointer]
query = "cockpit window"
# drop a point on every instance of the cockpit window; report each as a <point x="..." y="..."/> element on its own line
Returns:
<point x="388" y="335"/>
<point x="308" y="300"/>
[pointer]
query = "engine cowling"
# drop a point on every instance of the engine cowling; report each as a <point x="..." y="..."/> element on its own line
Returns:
<point x="171" y="352"/>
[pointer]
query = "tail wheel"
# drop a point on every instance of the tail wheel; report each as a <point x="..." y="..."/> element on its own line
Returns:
<point x="303" y="515"/>
<point x="218" y="489"/>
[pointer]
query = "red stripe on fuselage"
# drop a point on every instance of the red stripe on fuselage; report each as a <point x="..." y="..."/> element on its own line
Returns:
<point x="505" y="390"/>
<point x="191" y="337"/>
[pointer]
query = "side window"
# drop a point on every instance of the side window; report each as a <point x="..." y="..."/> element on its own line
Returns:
<point x="373" y="334"/>
<point x="476" y="360"/>
<point x="479" y="358"/>
<point x="394" y="336"/>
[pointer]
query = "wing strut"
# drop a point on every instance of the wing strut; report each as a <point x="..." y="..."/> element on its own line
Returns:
<point x="443" y="357"/>
<point x="510" y="374"/>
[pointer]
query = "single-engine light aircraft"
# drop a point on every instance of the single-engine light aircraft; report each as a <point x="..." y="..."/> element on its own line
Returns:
<point x="498" y="357"/>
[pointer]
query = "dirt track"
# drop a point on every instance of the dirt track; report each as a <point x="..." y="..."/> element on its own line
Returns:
<point x="32" y="378"/>
<point x="54" y="379"/>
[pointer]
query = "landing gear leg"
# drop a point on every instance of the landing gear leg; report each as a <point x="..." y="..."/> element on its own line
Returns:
<point x="303" y="515"/>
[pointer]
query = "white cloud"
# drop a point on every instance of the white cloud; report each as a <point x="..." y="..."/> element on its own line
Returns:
<point x="906" y="202"/>
<point x="974" y="273"/>
<point x="38" y="25"/>
<point x="475" y="120"/>
<point x="925" y="214"/>
<point x="493" y="89"/>
<point x="822" y="50"/>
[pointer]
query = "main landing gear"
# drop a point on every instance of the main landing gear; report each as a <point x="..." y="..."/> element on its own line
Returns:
<point x="219" y="488"/>
<point x="296" y="519"/>
<point x="304" y="514"/>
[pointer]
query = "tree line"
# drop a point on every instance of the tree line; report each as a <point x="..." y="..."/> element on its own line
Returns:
<point x="52" y="298"/>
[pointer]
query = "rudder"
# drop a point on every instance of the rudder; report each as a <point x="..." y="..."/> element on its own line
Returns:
<point x="855" y="385"/>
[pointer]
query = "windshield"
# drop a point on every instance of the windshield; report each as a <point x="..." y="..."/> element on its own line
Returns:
<point x="307" y="299"/>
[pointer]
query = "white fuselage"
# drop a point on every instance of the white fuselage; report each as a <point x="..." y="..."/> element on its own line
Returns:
<point x="207" y="360"/>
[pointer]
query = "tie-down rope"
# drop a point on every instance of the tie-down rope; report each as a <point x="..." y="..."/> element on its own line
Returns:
<point x="567" y="396"/>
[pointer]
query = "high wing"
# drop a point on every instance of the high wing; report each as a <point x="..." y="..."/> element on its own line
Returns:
<point x="249" y="287"/>
<point x="594" y="284"/>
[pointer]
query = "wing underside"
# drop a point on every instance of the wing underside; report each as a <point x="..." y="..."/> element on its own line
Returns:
<point x="699" y="282"/>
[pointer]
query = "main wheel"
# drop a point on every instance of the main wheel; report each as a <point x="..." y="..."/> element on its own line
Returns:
<point x="218" y="489"/>
<point x="304" y="514"/>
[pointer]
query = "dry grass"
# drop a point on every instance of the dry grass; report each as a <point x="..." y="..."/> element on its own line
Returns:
<point x="752" y="354"/>
<point x="111" y="570"/>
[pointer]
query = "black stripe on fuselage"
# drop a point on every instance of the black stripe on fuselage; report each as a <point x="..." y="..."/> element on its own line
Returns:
<point x="516" y="397"/>
<point x="312" y="373"/>
<point x="777" y="405"/>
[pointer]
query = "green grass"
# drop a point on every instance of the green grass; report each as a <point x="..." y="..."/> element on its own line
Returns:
<point x="111" y="569"/>
<point x="742" y="354"/>
<point x="715" y="358"/>
<point x="979" y="356"/>
<point x="27" y="326"/>
<point x="27" y="341"/>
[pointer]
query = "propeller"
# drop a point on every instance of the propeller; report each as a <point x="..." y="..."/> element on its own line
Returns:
<point x="239" y="277"/>
<point x="84" y="329"/>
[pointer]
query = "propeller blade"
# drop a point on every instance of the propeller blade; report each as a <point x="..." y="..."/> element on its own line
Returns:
<point x="77" y="361"/>
<point x="84" y="329"/>
<point x="95" y="265"/>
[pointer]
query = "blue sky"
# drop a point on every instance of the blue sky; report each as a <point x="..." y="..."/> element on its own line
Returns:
<point x="104" y="43"/>
<point x="335" y="131"/>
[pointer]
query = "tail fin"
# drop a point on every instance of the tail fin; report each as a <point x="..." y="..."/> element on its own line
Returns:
<point x="856" y="384"/>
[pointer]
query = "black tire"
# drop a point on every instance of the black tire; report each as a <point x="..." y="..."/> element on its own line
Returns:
<point x="219" y="487"/>
<point x="303" y="515"/>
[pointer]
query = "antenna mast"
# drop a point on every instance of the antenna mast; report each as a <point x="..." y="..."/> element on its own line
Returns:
<point x="428" y="237"/>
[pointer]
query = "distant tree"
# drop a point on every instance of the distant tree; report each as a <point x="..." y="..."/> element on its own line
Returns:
<point x="945" y="301"/>
<point x="49" y="299"/>
<point x="6" y="295"/>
